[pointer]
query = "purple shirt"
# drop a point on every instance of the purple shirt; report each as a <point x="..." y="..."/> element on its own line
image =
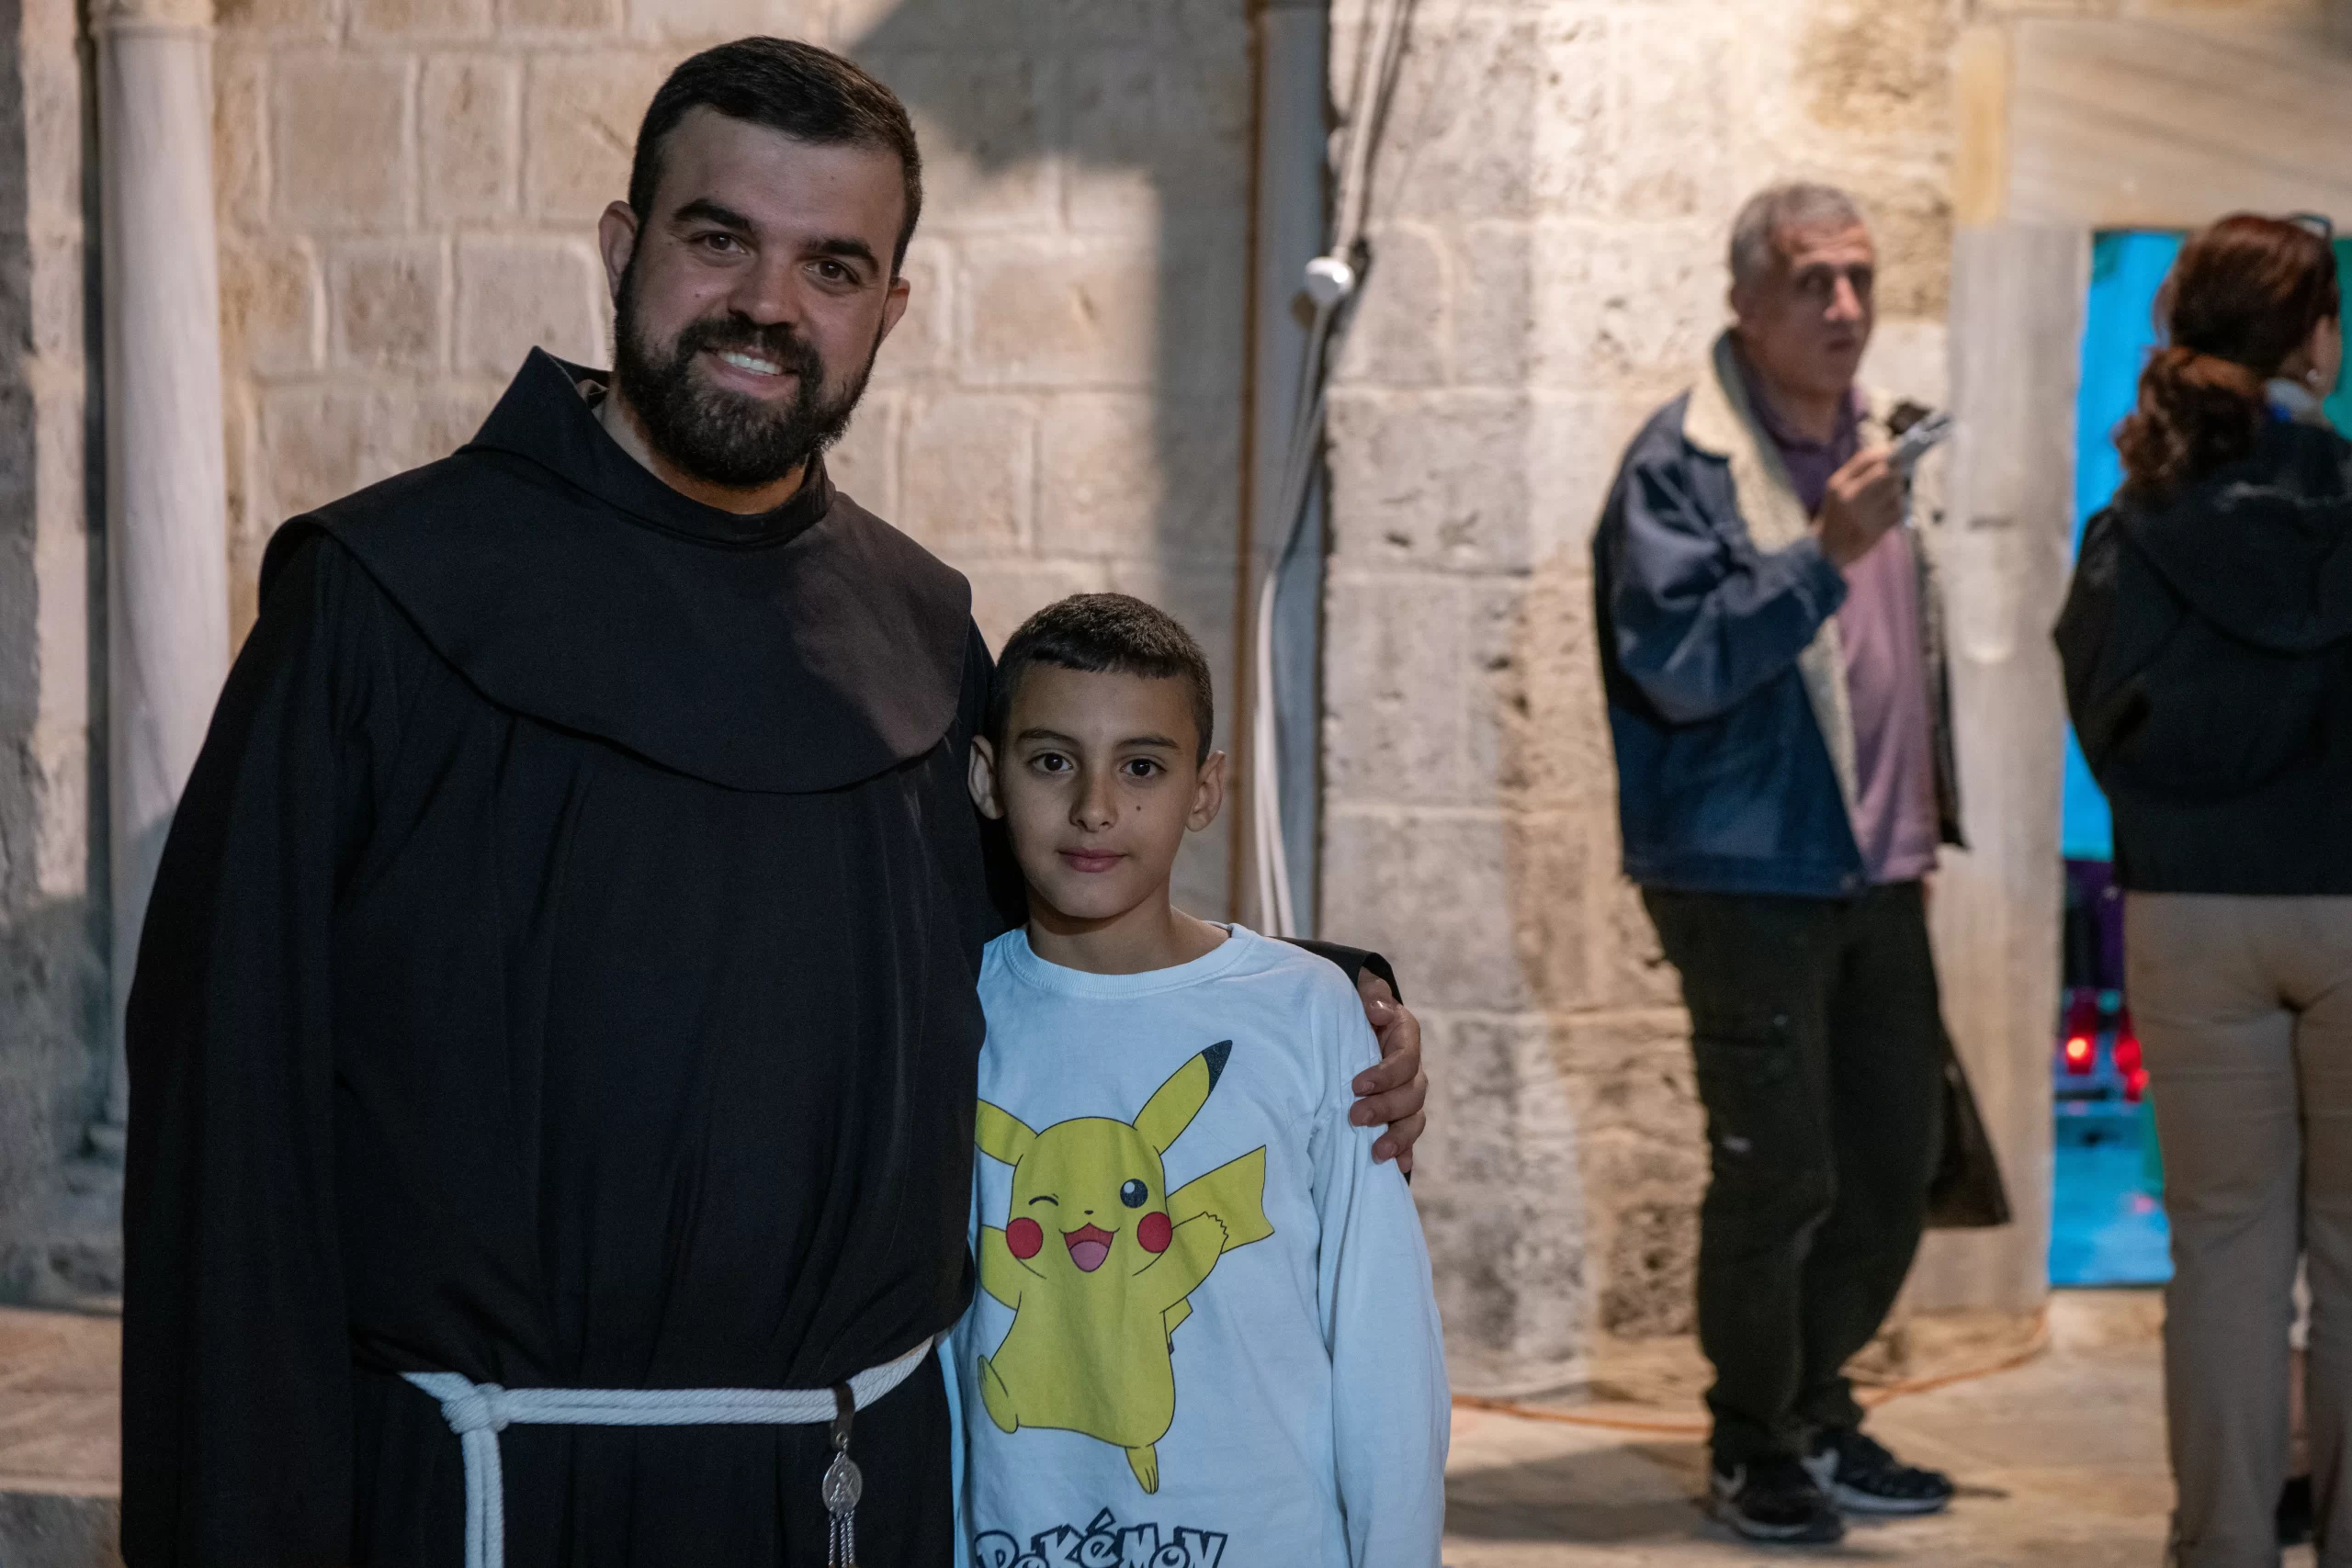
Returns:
<point x="1886" y="672"/>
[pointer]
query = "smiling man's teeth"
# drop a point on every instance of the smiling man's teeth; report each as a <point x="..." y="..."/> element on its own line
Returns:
<point x="745" y="362"/>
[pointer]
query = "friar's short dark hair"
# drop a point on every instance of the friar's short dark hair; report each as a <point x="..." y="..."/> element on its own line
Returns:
<point x="1104" y="634"/>
<point x="810" y="93"/>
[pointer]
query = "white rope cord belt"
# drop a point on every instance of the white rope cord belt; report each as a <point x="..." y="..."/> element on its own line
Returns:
<point x="478" y="1412"/>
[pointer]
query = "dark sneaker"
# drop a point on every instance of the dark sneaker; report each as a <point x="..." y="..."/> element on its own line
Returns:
<point x="2295" y="1512"/>
<point x="1773" y="1500"/>
<point x="1861" y="1477"/>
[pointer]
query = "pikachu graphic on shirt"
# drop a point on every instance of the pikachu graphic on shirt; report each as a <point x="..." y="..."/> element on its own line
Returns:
<point x="1097" y="1258"/>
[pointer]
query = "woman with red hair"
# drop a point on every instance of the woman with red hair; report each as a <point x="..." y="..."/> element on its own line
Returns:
<point x="2207" y="649"/>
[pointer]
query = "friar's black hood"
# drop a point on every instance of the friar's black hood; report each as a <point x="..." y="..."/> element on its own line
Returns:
<point x="801" y="649"/>
<point x="2260" y="548"/>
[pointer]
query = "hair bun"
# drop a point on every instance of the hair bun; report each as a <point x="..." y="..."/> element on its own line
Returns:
<point x="2248" y="293"/>
<point x="2198" y="412"/>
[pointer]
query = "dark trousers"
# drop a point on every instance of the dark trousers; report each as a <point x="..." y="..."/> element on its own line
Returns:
<point x="1818" y="1042"/>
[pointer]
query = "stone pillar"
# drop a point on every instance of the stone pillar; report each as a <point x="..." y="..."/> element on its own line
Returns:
<point x="167" y="616"/>
<point x="2017" y="323"/>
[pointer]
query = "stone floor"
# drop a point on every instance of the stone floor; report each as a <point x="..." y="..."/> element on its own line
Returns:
<point x="2061" y="1461"/>
<point x="60" y="1455"/>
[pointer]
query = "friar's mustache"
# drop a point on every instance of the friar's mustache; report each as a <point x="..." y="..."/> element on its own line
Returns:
<point x="776" y="343"/>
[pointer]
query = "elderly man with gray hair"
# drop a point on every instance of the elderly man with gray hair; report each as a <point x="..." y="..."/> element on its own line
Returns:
<point x="1771" y="647"/>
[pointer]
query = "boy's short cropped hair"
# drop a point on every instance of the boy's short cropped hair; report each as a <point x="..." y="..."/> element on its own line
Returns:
<point x="1104" y="634"/>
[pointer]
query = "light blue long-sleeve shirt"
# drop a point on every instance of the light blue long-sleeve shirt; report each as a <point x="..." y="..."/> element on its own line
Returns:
<point x="1297" y="1412"/>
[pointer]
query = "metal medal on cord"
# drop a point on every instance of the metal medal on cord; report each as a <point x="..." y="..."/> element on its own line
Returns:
<point x="841" y="1487"/>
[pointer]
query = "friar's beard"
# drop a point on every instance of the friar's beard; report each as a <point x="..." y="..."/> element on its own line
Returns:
<point x="719" y="437"/>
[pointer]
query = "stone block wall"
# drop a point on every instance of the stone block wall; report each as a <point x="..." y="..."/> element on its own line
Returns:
<point x="408" y="197"/>
<point x="1549" y="227"/>
<point x="52" y="871"/>
<point x="408" y="190"/>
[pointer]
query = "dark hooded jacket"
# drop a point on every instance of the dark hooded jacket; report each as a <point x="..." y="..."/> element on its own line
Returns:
<point x="2207" y="654"/>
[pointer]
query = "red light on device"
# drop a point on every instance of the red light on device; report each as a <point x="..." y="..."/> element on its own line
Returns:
<point x="2081" y="1031"/>
<point x="2128" y="1061"/>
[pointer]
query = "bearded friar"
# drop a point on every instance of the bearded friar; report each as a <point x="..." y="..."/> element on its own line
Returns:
<point x="554" y="1037"/>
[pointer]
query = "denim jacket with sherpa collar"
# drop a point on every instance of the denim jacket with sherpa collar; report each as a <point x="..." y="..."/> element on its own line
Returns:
<point x="1716" y="614"/>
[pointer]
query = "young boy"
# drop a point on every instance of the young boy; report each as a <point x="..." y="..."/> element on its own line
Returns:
<point x="1205" y="1333"/>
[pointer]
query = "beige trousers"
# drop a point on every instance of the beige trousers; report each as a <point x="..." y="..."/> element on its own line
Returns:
<point x="2245" y="1009"/>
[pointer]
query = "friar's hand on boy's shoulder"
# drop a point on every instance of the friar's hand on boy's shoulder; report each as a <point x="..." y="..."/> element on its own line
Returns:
<point x="1394" y="1088"/>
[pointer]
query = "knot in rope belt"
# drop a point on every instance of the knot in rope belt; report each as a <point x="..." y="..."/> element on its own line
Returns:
<point x="478" y="1412"/>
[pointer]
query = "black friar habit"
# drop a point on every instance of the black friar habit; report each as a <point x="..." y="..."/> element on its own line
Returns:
<point x="560" y="972"/>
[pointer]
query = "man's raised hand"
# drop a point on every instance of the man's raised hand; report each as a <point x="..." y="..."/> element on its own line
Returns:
<point x="1864" y="499"/>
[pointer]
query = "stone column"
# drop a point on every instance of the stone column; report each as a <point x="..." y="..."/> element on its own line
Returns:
<point x="167" y="616"/>
<point x="2017" y="323"/>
